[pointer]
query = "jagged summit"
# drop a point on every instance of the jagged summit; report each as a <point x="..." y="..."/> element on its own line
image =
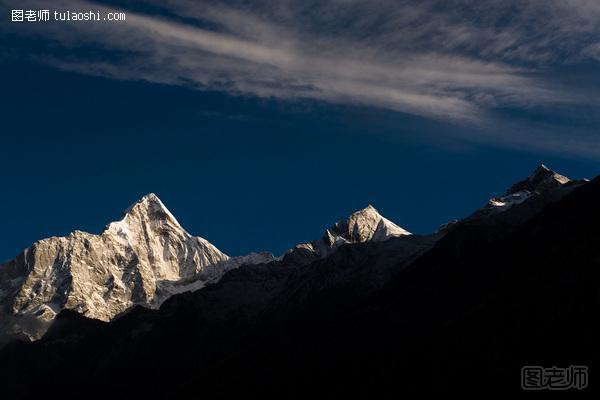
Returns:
<point x="149" y="210"/>
<point x="542" y="179"/>
<point x="366" y="224"/>
<point x="361" y="226"/>
<point x="149" y="202"/>
<point x="152" y="207"/>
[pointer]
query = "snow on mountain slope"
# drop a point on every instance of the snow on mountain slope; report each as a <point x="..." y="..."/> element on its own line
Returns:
<point x="142" y="259"/>
<point x="362" y="226"/>
<point x="522" y="200"/>
<point x="541" y="181"/>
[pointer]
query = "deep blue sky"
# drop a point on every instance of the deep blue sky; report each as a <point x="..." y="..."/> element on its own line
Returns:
<point x="252" y="172"/>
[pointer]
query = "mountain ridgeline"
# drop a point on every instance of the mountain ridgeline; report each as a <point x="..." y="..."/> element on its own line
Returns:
<point x="143" y="259"/>
<point x="147" y="310"/>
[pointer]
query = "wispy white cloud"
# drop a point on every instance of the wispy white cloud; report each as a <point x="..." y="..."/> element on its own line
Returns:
<point x="451" y="60"/>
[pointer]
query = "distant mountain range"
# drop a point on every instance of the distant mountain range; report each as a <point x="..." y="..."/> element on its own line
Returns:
<point x="146" y="310"/>
<point x="143" y="259"/>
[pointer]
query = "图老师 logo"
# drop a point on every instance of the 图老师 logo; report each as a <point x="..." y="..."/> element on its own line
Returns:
<point x="535" y="377"/>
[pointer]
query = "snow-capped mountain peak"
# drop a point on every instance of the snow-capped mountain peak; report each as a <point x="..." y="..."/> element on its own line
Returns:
<point x="151" y="206"/>
<point x="542" y="179"/>
<point x="367" y="224"/>
<point x="149" y="212"/>
<point x="361" y="226"/>
<point x="142" y="259"/>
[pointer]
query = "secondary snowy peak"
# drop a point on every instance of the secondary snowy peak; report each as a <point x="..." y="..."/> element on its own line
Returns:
<point x="364" y="225"/>
<point x="142" y="259"/>
<point x="361" y="226"/>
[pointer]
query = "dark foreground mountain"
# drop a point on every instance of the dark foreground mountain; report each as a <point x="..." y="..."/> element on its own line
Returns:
<point x="464" y="309"/>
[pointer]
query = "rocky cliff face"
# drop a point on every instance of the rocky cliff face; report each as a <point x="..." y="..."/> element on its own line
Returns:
<point x="142" y="259"/>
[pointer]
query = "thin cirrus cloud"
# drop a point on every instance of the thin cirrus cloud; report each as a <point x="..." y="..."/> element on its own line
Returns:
<point x="447" y="60"/>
